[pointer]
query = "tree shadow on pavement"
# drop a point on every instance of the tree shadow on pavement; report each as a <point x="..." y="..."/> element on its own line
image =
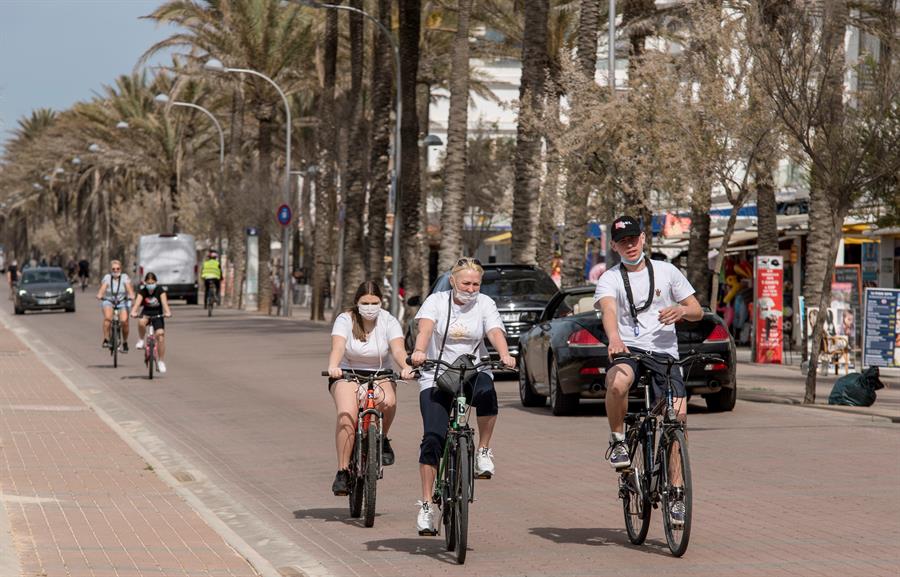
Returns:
<point x="428" y="546"/>
<point x="331" y="514"/>
<point x="598" y="537"/>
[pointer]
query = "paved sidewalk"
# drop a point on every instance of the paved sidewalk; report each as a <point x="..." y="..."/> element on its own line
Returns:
<point x="80" y="502"/>
<point x="786" y="384"/>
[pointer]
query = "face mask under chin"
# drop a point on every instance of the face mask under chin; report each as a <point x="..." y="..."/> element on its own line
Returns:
<point x="632" y="262"/>
<point x="464" y="297"/>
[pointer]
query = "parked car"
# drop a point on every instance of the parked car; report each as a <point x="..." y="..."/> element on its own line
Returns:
<point x="520" y="291"/>
<point x="173" y="259"/>
<point x="43" y="288"/>
<point x="563" y="356"/>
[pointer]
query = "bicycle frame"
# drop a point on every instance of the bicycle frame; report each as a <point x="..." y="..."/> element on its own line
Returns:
<point x="459" y="427"/>
<point x="367" y="411"/>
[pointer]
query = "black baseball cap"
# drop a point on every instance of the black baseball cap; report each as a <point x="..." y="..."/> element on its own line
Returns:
<point x="625" y="226"/>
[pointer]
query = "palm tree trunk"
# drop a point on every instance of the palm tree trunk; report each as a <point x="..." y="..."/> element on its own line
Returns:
<point x="410" y="207"/>
<point x="379" y="148"/>
<point x="698" y="245"/>
<point x="453" y="202"/>
<point x="550" y="192"/>
<point x="527" y="184"/>
<point x="326" y="192"/>
<point x="766" y="207"/>
<point x="265" y="191"/>
<point x="353" y="270"/>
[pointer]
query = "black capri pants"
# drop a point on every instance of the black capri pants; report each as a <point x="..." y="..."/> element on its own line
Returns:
<point x="435" y="404"/>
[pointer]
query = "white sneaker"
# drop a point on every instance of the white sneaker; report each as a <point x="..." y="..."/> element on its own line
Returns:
<point x="425" y="519"/>
<point x="484" y="463"/>
<point x="161" y="366"/>
<point x="139" y="345"/>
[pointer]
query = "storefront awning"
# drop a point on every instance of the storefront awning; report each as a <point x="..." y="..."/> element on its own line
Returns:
<point x="501" y="238"/>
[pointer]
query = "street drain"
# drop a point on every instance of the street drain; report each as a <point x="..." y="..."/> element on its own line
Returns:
<point x="184" y="477"/>
<point x="291" y="572"/>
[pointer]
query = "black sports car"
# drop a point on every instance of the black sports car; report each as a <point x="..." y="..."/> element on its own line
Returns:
<point x="43" y="288"/>
<point x="563" y="356"/>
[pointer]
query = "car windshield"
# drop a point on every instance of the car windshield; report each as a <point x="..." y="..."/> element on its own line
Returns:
<point x="511" y="284"/>
<point x="43" y="276"/>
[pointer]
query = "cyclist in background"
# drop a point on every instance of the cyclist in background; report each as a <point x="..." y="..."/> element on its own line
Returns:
<point x="84" y="271"/>
<point x="211" y="273"/>
<point x="153" y="304"/>
<point x="115" y="296"/>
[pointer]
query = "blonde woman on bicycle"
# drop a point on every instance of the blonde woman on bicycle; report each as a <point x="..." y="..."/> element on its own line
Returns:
<point x="454" y="323"/>
<point x="363" y="340"/>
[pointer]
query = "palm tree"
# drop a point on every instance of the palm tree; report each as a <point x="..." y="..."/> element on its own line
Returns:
<point x="267" y="36"/>
<point x="454" y="196"/>
<point x="526" y="191"/>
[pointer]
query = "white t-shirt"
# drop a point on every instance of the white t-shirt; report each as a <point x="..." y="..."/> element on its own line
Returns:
<point x="671" y="287"/>
<point x="116" y="287"/>
<point x="468" y="326"/>
<point x="375" y="352"/>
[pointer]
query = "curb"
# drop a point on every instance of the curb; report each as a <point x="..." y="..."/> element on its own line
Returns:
<point x="853" y="411"/>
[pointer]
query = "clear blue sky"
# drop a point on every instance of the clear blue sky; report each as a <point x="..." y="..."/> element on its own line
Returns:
<point x="54" y="53"/>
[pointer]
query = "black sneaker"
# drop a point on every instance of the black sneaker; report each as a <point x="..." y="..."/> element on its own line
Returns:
<point x="124" y="347"/>
<point x="387" y="453"/>
<point x="617" y="454"/>
<point x="105" y="344"/>
<point x="341" y="485"/>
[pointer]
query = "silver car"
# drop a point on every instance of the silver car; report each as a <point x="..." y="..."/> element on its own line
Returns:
<point x="43" y="288"/>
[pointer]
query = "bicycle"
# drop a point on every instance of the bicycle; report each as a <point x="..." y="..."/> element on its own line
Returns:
<point x="84" y="282"/>
<point x="151" y="356"/>
<point x="365" y="463"/>
<point x="657" y="446"/>
<point x="115" y="333"/>
<point x="454" y="485"/>
<point x="210" y="297"/>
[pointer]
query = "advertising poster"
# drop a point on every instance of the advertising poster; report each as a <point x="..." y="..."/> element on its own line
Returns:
<point x="845" y="320"/>
<point x="769" y="309"/>
<point x="881" y="328"/>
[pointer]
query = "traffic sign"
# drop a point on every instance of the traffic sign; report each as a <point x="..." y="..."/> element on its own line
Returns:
<point x="284" y="215"/>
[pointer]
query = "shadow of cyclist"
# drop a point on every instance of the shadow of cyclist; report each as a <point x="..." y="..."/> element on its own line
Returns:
<point x="598" y="537"/>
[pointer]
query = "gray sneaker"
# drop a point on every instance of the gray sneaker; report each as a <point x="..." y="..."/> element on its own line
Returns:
<point x="617" y="455"/>
<point x="677" y="508"/>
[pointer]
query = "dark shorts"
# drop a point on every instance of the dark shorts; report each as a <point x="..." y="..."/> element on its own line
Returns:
<point x="157" y="322"/>
<point x="360" y="372"/>
<point x="657" y="373"/>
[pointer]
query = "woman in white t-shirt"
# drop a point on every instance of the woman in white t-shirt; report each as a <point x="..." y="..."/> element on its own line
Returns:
<point x="466" y="317"/>
<point x="363" y="340"/>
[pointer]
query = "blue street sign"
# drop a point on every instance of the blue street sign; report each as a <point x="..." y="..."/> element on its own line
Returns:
<point x="251" y="231"/>
<point x="284" y="215"/>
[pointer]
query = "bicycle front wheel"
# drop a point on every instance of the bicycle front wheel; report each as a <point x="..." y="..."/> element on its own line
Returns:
<point x="373" y="461"/>
<point x="676" y="482"/>
<point x="114" y="346"/>
<point x="462" y="494"/>
<point x="151" y="358"/>
<point x="635" y="493"/>
<point x="356" y="484"/>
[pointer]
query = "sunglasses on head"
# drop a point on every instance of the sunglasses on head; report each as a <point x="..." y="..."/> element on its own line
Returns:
<point x="465" y="261"/>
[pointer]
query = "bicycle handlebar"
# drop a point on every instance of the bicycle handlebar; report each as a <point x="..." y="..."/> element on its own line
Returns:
<point x="692" y="356"/>
<point x="377" y="376"/>
<point x="483" y="362"/>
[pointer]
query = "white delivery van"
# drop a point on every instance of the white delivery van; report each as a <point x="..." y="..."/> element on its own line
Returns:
<point x="173" y="259"/>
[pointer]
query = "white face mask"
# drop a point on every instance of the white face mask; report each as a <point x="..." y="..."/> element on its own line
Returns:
<point x="636" y="261"/>
<point x="369" y="312"/>
<point x="464" y="297"/>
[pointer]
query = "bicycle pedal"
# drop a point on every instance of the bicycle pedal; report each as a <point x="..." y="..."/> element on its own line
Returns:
<point x="428" y="533"/>
<point x="484" y="476"/>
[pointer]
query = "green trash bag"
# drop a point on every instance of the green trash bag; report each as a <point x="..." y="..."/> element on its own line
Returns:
<point x="856" y="389"/>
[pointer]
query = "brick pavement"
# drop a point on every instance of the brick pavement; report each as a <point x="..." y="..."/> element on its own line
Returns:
<point x="80" y="502"/>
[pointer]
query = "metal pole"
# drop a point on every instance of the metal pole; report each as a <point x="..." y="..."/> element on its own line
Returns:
<point x="395" y="180"/>
<point x="286" y="232"/>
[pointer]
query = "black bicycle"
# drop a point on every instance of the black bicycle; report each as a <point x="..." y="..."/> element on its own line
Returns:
<point x="115" y="332"/>
<point x="210" y="296"/>
<point x="365" y="463"/>
<point x="454" y="485"/>
<point x="660" y="471"/>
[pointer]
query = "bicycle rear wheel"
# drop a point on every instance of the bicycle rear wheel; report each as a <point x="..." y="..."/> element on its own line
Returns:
<point x="635" y="492"/>
<point x="373" y="460"/>
<point x="674" y="455"/>
<point x="151" y="356"/>
<point x="210" y="302"/>
<point x="114" y="344"/>
<point x="462" y="495"/>
<point x="356" y="484"/>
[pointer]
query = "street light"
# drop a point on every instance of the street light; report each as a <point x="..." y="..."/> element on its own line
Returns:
<point x="94" y="148"/>
<point x="121" y="125"/>
<point x="395" y="189"/>
<point x="164" y="99"/>
<point x="216" y="65"/>
<point x="76" y="161"/>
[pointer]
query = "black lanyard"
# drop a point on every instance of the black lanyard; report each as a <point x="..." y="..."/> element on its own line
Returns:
<point x="633" y="309"/>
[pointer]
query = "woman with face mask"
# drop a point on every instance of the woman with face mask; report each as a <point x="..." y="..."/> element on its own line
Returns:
<point x="363" y="340"/>
<point x="456" y="321"/>
<point x="151" y="302"/>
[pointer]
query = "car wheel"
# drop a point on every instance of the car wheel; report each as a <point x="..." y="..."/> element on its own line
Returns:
<point x="70" y="310"/>
<point x="19" y="311"/>
<point x="192" y="300"/>
<point x="561" y="403"/>
<point x="526" y="392"/>
<point x="722" y="401"/>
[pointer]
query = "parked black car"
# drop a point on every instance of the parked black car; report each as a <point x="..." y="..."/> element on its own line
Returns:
<point x="520" y="291"/>
<point x="563" y="356"/>
<point x="43" y="288"/>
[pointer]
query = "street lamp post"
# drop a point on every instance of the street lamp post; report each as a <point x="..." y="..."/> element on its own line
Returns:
<point x="164" y="99"/>
<point x="217" y="66"/>
<point x="395" y="184"/>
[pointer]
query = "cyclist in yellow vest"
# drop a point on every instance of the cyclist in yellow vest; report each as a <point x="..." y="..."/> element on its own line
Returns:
<point x="211" y="273"/>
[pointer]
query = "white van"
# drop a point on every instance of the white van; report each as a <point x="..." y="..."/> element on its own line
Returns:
<point x="173" y="259"/>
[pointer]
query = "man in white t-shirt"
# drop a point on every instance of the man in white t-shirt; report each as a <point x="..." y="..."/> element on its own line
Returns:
<point x="640" y="301"/>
